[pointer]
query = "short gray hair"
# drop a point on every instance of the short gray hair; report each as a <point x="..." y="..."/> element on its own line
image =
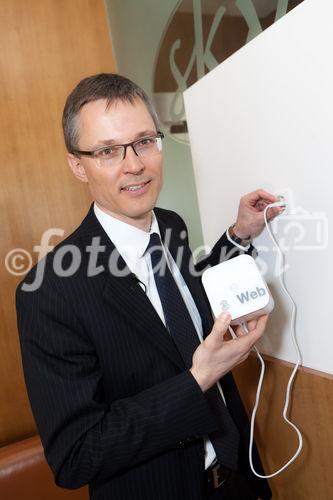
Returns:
<point x="108" y="86"/>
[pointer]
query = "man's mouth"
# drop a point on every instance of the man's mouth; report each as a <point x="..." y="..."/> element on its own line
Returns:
<point x="135" y="187"/>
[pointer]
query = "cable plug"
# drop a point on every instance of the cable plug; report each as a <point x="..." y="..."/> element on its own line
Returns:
<point x="281" y="203"/>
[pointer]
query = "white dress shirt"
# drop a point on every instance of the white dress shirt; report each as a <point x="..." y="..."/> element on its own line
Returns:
<point x="131" y="242"/>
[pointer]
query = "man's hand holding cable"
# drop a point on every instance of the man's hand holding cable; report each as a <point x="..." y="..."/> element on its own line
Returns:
<point x="250" y="217"/>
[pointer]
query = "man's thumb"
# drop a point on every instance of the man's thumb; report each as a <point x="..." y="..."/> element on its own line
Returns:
<point x="220" y="327"/>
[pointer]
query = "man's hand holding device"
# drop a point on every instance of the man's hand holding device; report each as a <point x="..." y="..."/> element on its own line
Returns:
<point x="219" y="352"/>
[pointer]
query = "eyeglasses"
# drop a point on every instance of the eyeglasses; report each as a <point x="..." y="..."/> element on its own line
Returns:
<point x="109" y="156"/>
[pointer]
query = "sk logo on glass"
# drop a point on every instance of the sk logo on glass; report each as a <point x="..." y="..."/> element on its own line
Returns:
<point x="200" y="35"/>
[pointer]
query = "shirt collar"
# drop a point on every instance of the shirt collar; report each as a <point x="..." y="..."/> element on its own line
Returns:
<point x="130" y="241"/>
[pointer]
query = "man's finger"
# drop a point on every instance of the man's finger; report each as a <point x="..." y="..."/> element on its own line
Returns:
<point x="259" y="322"/>
<point x="261" y="194"/>
<point x="253" y="325"/>
<point x="220" y="328"/>
<point x="240" y="331"/>
<point x="273" y="212"/>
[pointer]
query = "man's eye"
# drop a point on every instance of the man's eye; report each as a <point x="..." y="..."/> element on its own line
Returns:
<point x="106" y="152"/>
<point x="147" y="141"/>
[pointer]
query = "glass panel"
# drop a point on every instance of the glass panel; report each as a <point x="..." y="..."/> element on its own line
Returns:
<point x="199" y="36"/>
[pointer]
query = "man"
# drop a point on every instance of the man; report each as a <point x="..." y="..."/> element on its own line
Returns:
<point x="125" y="396"/>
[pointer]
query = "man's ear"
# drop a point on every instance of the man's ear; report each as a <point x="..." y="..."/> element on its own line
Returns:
<point x="76" y="167"/>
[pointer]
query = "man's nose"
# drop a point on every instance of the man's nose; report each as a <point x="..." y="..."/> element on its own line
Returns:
<point x="132" y="162"/>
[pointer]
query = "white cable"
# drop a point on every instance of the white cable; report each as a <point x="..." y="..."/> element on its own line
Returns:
<point x="291" y="379"/>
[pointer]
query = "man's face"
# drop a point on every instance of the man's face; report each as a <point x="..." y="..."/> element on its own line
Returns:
<point x="122" y="122"/>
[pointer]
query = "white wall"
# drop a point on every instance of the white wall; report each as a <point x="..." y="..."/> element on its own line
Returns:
<point x="264" y="118"/>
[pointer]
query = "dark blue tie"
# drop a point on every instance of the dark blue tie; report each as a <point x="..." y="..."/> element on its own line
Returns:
<point x="183" y="332"/>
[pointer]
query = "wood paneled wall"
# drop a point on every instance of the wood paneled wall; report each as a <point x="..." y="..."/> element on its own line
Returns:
<point x="47" y="46"/>
<point x="310" y="476"/>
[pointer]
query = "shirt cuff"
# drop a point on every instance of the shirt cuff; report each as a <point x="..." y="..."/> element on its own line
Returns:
<point x="237" y="244"/>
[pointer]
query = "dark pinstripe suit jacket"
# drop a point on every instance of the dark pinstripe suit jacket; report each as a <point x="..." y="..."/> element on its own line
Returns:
<point x="114" y="404"/>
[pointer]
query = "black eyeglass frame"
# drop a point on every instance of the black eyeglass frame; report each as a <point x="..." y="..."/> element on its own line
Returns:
<point x="159" y="135"/>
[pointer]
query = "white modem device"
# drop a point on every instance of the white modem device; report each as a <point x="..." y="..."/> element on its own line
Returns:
<point x="237" y="286"/>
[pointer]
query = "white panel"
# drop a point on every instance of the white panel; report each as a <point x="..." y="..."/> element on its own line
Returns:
<point x="264" y="118"/>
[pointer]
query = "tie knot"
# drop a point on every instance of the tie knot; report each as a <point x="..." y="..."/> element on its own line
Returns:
<point x="154" y="243"/>
<point x="156" y="253"/>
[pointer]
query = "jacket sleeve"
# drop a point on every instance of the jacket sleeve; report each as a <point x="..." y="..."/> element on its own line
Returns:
<point x="221" y="251"/>
<point x="84" y="437"/>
